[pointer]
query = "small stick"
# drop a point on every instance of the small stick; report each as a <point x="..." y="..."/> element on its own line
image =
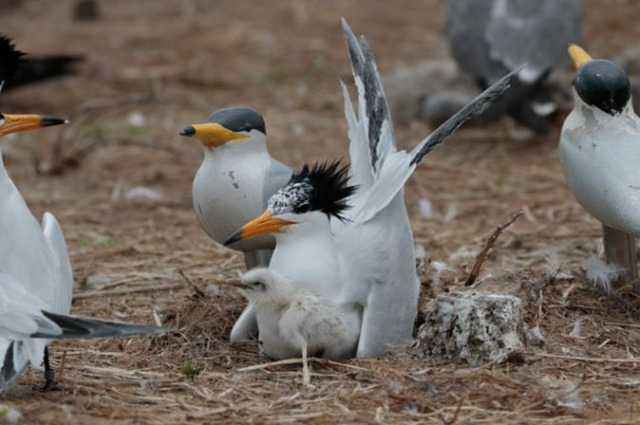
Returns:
<point x="127" y="291"/>
<point x="584" y="359"/>
<point x="199" y="292"/>
<point x="482" y="256"/>
<point x="306" y="374"/>
<point x="63" y="362"/>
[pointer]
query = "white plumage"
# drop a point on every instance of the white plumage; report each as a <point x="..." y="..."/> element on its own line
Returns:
<point x="291" y="317"/>
<point x="600" y="155"/>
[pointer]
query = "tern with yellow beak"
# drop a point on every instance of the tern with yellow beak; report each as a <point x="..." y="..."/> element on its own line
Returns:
<point x="349" y="238"/>
<point x="600" y="153"/>
<point x="36" y="278"/>
<point x="236" y="178"/>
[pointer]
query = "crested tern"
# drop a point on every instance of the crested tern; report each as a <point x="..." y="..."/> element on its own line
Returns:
<point x="36" y="277"/>
<point x="489" y="38"/>
<point x="349" y="238"/>
<point x="236" y="178"/>
<point x="599" y="154"/>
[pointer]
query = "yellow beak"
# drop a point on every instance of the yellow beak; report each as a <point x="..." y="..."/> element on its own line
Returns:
<point x="16" y="123"/>
<point x="212" y="134"/>
<point x="265" y="223"/>
<point x="578" y="55"/>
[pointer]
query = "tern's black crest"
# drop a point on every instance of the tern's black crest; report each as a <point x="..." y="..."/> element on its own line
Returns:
<point x="10" y="58"/>
<point x="323" y="187"/>
<point x="603" y="84"/>
<point x="238" y="119"/>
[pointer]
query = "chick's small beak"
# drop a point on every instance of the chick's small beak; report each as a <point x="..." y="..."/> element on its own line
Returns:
<point x="16" y="123"/>
<point x="238" y="284"/>
<point x="578" y="55"/>
<point x="265" y="223"/>
<point x="212" y="134"/>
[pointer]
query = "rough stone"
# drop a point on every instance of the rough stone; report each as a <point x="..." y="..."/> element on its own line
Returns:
<point x="476" y="327"/>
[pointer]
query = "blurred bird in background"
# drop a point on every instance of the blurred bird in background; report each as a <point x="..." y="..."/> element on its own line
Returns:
<point x="489" y="38"/>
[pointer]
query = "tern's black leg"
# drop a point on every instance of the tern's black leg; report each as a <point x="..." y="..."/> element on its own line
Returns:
<point x="50" y="383"/>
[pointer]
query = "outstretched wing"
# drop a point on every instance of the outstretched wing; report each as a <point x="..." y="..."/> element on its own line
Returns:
<point x="377" y="167"/>
<point x="371" y="135"/>
<point x="472" y="108"/>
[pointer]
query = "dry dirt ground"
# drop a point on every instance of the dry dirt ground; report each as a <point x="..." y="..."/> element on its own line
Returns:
<point x="153" y="67"/>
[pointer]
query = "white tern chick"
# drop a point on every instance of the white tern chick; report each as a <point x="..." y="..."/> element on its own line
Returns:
<point x="290" y="317"/>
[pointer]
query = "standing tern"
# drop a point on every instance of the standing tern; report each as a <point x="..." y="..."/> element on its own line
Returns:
<point x="36" y="277"/>
<point x="356" y="246"/>
<point x="489" y="38"/>
<point x="307" y="323"/>
<point x="600" y="153"/>
<point x="236" y="178"/>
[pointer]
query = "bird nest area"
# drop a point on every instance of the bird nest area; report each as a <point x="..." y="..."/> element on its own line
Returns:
<point x="118" y="178"/>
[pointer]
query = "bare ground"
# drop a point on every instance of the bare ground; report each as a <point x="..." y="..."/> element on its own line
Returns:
<point x="161" y="65"/>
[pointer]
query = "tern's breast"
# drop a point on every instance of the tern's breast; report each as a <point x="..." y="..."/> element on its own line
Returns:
<point x="600" y="164"/>
<point x="228" y="192"/>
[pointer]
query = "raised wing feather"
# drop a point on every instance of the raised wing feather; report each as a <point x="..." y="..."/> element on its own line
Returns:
<point x="472" y="108"/>
<point x="373" y="111"/>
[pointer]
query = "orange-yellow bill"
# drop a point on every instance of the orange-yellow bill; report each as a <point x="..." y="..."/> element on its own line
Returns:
<point x="212" y="134"/>
<point x="265" y="223"/>
<point x="15" y="123"/>
<point x="578" y="55"/>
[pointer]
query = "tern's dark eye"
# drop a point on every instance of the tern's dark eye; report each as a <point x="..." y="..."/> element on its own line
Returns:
<point x="258" y="285"/>
<point x="306" y="207"/>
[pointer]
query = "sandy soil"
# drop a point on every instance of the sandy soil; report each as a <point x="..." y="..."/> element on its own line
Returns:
<point x="153" y="67"/>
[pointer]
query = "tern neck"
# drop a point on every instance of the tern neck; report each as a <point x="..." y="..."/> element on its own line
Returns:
<point x="307" y="254"/>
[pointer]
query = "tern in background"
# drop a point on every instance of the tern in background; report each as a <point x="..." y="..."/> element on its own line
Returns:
<point x="600" y="155"/>
<point x="489" y="38"/>
<point x="236" y="178"/>
<point x="36" y="279"/>
<point x="350" y="240"/>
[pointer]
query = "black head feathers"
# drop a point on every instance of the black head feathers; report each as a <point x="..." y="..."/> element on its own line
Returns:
<point x="10" y="58"/>
<point x="238" y="119"/>
<point x="323" y="187"/>
<point x="603" y="84"/>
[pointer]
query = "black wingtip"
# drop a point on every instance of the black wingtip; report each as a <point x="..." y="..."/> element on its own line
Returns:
<point x="472" y="108"/>
<point x="87" y="327"/>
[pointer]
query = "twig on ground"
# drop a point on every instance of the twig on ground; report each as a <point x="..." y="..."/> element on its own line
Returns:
<point x="482" y="256"/>
<point x="196" y="289"/>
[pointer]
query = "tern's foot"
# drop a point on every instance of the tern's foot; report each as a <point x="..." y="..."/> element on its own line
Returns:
<point x="50" y="383"/>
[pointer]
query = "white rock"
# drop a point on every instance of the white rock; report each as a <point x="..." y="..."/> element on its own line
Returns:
<point x="476" y="327"/>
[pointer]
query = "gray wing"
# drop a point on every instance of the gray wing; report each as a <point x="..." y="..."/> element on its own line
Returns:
<point x="277" y="176"/>
<point x="15" y="361"/>
<point x="533" y="32"/>
<point x="55" y="239"/>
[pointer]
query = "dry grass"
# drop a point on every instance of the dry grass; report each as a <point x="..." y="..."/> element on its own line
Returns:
<point x="174" y="63"/>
